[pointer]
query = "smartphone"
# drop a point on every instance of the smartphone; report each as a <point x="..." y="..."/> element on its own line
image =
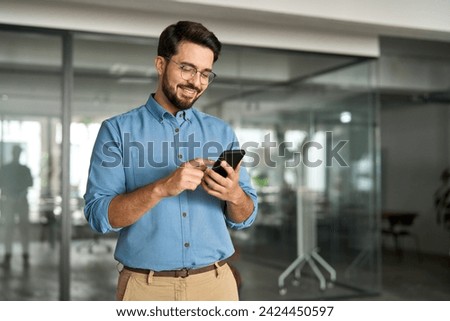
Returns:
<point x="232" y="157"/>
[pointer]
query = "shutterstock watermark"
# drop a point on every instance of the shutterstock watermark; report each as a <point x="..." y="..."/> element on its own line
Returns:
<point x="308" y="154"/>
<point x="159" y="154"/>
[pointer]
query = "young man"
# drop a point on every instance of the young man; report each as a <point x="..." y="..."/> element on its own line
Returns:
<point x="150" y="179"/>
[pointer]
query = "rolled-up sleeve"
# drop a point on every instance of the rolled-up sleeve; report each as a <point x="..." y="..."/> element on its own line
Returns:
<point x="106" y="178"/>
<point x="252" y="194"/>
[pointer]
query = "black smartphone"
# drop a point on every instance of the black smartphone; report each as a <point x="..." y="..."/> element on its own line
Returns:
<point x="232" y="157"/>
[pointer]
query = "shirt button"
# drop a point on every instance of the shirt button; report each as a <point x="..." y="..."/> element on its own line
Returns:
<point x="186" y="244"/>
<point x="180" y="156"/>
<point x="177" y="130"/>
<point x="184" y="214"/>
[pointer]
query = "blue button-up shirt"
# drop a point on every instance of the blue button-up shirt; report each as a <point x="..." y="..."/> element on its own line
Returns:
<point x="136" y="148"/>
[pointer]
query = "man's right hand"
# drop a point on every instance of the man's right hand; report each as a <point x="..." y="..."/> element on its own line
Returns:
<point x="186" y="177"/>
<point x="125" y="209"/>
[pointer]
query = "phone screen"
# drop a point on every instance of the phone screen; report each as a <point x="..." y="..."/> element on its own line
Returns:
<point x="232" y="157"/>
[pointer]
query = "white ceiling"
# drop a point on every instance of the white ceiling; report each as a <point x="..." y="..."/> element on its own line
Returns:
<point x="340" y="26"/>
<point x="366" y="15"/>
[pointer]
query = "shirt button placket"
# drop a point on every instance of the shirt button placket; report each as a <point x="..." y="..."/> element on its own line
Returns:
<point x="176" y="145"/>
<point x="186" y="230"/>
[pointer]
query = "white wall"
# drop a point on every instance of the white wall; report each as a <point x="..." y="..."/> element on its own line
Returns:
<point x="415" y="143"/>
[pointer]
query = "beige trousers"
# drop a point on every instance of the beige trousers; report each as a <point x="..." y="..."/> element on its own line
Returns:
<point x="215" y="285"/>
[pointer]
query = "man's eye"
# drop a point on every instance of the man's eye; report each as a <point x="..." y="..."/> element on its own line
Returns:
<point x="187" y="68"/>
<point x="205" y="75"/>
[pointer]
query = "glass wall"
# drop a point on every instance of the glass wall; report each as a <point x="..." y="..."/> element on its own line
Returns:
<point x="307" y="121"/>
<point x="312" y="154"/>
<point x="30" y="142"/>
<point x="112" y="75"/>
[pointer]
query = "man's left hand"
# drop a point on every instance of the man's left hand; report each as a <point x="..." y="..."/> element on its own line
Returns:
<point x="224" y="188"/>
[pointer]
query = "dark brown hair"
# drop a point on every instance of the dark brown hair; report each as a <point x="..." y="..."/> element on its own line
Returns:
<point x="188" y="31"/>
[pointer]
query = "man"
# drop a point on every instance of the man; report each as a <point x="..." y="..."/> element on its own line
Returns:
<point x="15" y="179"/>
<point x="150" y="179"/>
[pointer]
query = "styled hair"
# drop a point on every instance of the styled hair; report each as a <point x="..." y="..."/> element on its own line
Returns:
<point x="189" y="31"/>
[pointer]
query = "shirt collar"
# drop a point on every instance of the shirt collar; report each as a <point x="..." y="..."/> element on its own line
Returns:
<point x="156" y="109"/>
<point x="160" y="113"/>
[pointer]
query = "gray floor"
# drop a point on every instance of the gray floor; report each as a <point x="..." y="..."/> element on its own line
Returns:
<point x="94" y="276"/>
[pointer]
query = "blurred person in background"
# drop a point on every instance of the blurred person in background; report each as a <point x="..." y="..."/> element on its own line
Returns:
<point x="15" y="179"/>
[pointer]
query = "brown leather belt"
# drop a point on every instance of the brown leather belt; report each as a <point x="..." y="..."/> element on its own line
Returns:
<point x="177" y="273"/>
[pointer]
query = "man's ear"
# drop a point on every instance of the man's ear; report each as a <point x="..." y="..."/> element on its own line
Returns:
<point x="160" y="64"/>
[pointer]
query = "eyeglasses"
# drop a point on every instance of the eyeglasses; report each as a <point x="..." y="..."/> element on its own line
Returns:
<point x="189" y="72"/>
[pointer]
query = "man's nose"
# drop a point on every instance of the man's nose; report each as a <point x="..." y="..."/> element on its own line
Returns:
<point x="196" y="80"/>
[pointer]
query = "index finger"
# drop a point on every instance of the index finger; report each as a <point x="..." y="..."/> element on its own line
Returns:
<point x="199" y="163"/>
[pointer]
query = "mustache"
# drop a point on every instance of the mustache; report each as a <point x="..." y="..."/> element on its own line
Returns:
<point x="190" y="86"/>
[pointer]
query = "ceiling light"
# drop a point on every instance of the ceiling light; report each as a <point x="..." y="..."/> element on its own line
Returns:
<point x="346" y="117"/>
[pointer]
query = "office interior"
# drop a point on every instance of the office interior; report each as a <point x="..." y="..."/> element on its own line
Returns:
<point x="342" y="148"/>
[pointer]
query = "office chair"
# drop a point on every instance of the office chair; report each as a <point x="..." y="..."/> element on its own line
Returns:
<point x="400" y="228"/>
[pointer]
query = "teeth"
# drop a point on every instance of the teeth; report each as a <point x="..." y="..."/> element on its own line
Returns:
<point x="189" y="91"/>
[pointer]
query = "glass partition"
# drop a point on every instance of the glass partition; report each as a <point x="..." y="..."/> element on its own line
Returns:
<point x="312" y="154"/>
<point x="112" y="75"/>
<point x="296" y="101"/>
<point x="30" y="146"/>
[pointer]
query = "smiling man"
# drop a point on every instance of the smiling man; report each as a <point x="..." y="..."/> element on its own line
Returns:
<point x="150" y="180"/>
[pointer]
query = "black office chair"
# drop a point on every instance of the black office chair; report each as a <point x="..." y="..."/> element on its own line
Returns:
<point x="400" y="228"/>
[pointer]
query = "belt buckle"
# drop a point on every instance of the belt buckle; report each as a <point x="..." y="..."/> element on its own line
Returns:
<point x="183" y="273"/>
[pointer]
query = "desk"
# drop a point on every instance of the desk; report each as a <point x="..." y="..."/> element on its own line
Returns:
<point x="399" y="226"/>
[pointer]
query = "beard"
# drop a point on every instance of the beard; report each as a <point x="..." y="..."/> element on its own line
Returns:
<point x="179" y="103"/>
